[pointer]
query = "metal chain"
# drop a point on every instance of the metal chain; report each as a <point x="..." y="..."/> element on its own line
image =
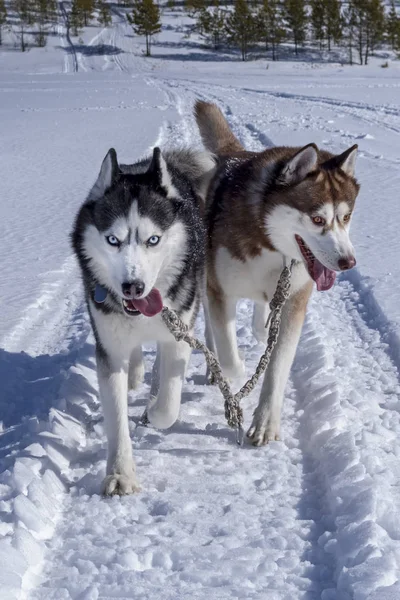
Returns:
<point x="233" y="410"/>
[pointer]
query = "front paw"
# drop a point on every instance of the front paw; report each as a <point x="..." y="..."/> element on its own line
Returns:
<point x="118" y="484"/>
<point x="163" y="415"/>
<point x="263" y="431"/>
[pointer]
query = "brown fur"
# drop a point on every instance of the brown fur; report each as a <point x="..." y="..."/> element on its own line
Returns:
<point x="215" y="131"/>
<point x="299" y="302"/>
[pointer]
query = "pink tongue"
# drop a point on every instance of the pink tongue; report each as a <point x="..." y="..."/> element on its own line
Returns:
<point x="323" y="277"/>
<point x="151" y="305"/>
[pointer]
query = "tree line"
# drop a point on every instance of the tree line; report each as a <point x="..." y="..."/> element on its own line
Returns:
<point x="359" y="26"/>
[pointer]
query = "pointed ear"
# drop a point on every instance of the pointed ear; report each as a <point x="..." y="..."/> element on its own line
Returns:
<point x="347" y="160"/>
<point x="108" y="174"/>
<point x="300" y="165"/>
<point x="159" y="170"/>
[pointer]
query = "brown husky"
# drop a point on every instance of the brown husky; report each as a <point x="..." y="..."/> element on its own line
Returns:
<point x="264" y="209"/>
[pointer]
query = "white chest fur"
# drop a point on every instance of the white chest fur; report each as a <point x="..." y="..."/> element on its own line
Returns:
<point x="256" y="277"/>
<point x="120" y="334"/>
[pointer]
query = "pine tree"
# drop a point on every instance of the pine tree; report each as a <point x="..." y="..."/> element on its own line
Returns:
<point x="241" y="27"/>
<point x="3" y="19"/>
<point x="145" y="20"/>
<point x="334" y="23"/>
<point x="75" y="18"/>
<point x="104" y="17"/>
<point x="23" y="10"/>
<point x="296" y="16"/>
<point x="44" y="13"/>
<point x="349" y="21"/>
<point x="211" y="24"/>
<point x="375" y="26"/>
<point x="194" y="7"/>
<point x="270" y="25"/>
<point x="87" y="9"/>
<point x="393" y="27"/>
<point x="359" y="19"/>
<point x="318" y="20"/>
<point x="369" y="25"/>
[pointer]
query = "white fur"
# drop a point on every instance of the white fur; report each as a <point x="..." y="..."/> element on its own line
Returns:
<point x="113" y="387"/>
<point x="300" y="165"/>
<point x="267" y="416"/>
<point x="254" y="279"/>
<point x="349" y="164"/>
<point x="136" y="368"/>
<point x="104" y="178"/>
<point x="260" y="317"/>
<point x="166" y="180"/>
<point x="205" y="160"/>
<point x="208" y="165"/>
<point x="155" y="266"/>
<point x="284" y="222"/>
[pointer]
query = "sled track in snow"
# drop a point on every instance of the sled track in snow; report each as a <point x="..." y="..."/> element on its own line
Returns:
<point x="68" y="38"/>
<point x="368" y="113"/>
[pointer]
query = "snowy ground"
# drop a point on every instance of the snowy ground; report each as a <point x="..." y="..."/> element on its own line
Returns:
<point x="315" y="517"/>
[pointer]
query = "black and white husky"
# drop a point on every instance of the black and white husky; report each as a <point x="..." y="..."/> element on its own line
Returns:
<point x="140" y="240"/>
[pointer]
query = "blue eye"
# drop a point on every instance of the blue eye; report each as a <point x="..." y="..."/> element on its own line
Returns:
<point x="153" y="241"/>
<point x="112" y="240"/>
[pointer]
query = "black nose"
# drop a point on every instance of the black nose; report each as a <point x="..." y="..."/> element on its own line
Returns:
<point x="133" y="289"/>
<point x="346" y="263"/>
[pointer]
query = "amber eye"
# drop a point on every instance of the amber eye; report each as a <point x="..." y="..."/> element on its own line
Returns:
<point x="318" y="221"/>
<point x="346" y="218"/>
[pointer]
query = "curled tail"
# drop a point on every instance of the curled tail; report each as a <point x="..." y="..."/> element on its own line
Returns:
<point x="214" y="129"/>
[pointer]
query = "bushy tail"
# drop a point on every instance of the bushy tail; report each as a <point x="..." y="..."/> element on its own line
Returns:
<point x="214" y="129"/>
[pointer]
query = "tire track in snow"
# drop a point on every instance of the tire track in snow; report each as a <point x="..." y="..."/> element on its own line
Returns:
<point x="114" y="35"/>
<point x="69" y="41"/>
<point x="116" y="32"/>
<point x="54" y="320"/>
<point x="348" y="388"/>
<point x="356" y="109"/>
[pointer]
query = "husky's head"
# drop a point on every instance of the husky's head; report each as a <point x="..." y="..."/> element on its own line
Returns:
<point x="312" y="209"/>
<point x="134" y="242"/>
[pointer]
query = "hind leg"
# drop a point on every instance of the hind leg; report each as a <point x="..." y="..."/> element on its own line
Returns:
<point x="155" y="375"/>
<point x="260" y="316"/>
<point x="223" y="320"/>
<point x="210" y="343"/>
<point x="136" y="368"/>
<point x="174" y="357"/>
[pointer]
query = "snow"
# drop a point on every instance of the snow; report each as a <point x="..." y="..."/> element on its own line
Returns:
<point x="315" y="516"/>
